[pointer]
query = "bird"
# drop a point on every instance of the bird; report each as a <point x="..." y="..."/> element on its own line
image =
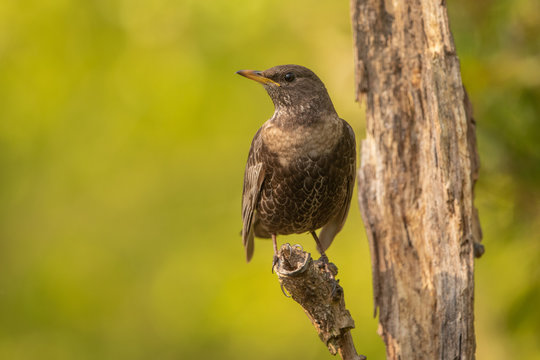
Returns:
<point x="301" y="166"/>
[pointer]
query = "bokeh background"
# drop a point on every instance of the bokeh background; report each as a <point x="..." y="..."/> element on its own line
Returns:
<point x="123" y="136"/>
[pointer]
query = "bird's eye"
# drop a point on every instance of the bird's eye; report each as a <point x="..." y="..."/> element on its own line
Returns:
<point x="289" y="77"/>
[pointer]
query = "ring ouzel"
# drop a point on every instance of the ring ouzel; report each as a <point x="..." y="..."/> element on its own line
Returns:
<point x="300" y="170"/>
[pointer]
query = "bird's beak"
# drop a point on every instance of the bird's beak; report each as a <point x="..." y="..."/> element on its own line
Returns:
<point x="257" y="76"/>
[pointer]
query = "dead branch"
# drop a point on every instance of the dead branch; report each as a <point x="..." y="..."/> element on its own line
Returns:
<point x="313" y="285"/>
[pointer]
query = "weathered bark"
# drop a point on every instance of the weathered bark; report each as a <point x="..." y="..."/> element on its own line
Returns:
<point x="313" y="284"/>
<point x="418" y="168"/>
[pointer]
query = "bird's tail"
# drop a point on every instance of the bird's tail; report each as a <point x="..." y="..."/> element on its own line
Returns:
<point x="327" y="235"/>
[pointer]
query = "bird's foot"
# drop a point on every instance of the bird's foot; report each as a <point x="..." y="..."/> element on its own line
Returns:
<point x="323" y="261"/>
<point x="289" y="247"/>
<point x="324" y="258"/>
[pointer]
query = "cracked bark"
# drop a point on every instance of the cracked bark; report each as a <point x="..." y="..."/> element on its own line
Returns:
<point x="418" y="168"/>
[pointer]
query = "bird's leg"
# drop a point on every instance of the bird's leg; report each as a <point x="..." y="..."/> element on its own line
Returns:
<point x="276" y="259"/>
<point x="324" y="258"/>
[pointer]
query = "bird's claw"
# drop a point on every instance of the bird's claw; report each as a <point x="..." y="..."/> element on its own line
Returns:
<point x="275" y="261"/>
<point x="289" y="248"/>
<point x="336" y="290"/>
<point x="284" y="292"/>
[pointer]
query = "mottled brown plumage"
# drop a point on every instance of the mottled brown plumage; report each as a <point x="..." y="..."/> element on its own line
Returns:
<point x="300" y="170"/>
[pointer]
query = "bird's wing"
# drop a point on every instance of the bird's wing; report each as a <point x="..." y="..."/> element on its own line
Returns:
<point x="348" y="149"/>
<point x="253" y="180"/>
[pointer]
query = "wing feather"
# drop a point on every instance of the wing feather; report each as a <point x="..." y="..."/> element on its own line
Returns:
<point x="253" y="180"/>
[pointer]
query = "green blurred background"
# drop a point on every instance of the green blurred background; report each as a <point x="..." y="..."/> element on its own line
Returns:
<point x="123" y="136"/>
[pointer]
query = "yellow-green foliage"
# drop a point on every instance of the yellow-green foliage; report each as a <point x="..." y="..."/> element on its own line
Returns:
<point x="123" y="136"/>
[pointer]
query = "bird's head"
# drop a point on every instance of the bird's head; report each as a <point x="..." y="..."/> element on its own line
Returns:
<point x="294" y="89"/>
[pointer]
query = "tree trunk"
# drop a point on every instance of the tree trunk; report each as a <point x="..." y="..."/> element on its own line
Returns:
<point x="418" y="168"/>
